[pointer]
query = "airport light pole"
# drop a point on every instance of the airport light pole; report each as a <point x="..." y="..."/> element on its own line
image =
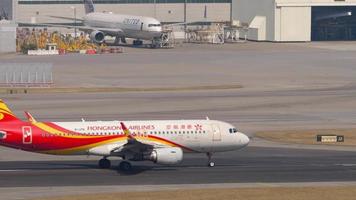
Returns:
<point x="155" y="8"/>
<point x="231" y="13"/>
<point x="185" y="19"/>
<point x="75" y="20"/>
<point x="185" y="11"/>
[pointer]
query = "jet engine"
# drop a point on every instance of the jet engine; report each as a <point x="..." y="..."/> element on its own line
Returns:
<point x="165" y="156"/>
<point x="97" y="36"/>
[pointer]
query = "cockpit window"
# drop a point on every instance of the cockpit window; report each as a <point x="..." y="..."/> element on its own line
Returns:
<point x="233" y="130"/>
<point x="154" y="25"/>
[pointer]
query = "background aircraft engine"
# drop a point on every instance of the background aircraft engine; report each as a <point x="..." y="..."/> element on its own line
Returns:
<point x="97" y="36"/>
<point x="166" y="156"/>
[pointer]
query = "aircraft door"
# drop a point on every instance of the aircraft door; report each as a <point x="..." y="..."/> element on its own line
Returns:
<point x="26" y="135"/>
<point x="141" y="26"/>
<point x="216" y="132"/>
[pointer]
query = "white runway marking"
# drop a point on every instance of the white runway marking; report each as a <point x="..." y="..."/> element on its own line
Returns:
<point x="347" y="165"/>
<point x="12" y="170"/>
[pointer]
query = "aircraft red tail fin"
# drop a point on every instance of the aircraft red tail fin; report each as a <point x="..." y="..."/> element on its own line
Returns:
<point x="6" y="114"/>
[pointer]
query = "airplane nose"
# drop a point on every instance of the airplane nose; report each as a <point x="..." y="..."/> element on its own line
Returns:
<point x="244" y="140"/>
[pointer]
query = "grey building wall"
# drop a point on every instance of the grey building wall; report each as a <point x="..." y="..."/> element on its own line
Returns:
<point x="165" y="12"/>
<point x="6" y="7"/>
<point x="285" y="20"/>
<point x="246" y="11"/>
<point x="7" y="37"/>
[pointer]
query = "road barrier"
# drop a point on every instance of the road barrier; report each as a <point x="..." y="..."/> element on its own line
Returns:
<point x="42" y="52"/>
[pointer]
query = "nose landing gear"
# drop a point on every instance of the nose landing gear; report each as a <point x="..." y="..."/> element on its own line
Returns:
<point x="210" y="163"/>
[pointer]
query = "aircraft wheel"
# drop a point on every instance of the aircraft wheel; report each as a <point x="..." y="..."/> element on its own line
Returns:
<point x="210" y="163"/>
<point x="125" y="166"/>
<point x="104" y="163"/>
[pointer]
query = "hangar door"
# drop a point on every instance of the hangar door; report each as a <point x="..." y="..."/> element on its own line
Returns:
<point x="333" y="23"/>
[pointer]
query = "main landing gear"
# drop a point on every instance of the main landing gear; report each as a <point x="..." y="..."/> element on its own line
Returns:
<point x="104" y="163"/>
<point x="137" y="42"/>
<point x="210" y="163"/>
<point x="125" y="166"/>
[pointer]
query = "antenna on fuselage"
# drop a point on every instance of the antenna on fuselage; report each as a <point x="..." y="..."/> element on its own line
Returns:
<point x="207" y="118"/>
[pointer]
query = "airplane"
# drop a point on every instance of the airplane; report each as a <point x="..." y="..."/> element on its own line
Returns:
<point x="100" y="24"/>
<point x="163" y="142"/>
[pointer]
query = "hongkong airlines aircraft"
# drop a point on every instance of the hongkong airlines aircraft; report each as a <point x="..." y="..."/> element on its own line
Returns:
<point x="162" y="142"/>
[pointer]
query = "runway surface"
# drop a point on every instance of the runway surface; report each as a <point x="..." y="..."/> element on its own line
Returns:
<point x="254" y="164"/>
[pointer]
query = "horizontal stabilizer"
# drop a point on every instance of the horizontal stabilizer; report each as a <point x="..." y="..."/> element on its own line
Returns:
<point x="67" y="18"/>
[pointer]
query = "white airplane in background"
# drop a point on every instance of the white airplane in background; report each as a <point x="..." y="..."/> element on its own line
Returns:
<point x="162" y="142"/>
<point x="100" y="24"/>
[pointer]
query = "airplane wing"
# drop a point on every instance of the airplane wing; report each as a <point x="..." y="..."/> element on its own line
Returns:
<point x="108" y="31"/>
<point x="135" y="150"/>
<point x="184" y="23"/>
<point x="133" y="145"/>
<point x="66" y="18"/>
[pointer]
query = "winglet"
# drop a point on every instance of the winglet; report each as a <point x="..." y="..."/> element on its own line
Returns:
<point x="126" y="131"/>
<point x="30" y="118"/>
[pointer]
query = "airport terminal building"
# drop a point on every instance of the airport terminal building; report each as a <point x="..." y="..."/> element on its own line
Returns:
<point x="163" y="10"/>
<point x="267" y="20"/>
<point x="297" y="20"/>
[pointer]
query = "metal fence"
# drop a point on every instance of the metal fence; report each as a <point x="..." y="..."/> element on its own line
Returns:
<point x="26" y="75"/>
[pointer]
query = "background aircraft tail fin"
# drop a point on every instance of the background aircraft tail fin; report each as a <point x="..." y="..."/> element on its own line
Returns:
<point x="89" y="6"/>
<point x="5" y="113"/>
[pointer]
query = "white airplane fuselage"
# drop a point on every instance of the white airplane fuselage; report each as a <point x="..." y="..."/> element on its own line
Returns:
<point x="193" y="136"/>
<point x="139" y="27"/>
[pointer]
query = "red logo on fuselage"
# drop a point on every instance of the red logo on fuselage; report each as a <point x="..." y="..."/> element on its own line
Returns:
<point x="26" y="135"/>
